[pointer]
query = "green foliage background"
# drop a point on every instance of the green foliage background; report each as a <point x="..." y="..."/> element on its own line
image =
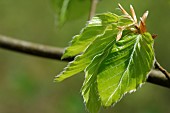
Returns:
<point x="26" y="82"/>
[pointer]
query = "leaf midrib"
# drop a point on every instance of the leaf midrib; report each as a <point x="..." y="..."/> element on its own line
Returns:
<point x="137" y="40"/>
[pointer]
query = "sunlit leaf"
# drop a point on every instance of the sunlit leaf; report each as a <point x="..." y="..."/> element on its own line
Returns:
<point x="94" y="28"/>
<point x="94" y="47"/>
<point x="125" y="68"/>
<point x="89" y="89"/>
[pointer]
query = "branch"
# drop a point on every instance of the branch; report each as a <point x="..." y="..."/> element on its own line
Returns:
<point x="155" y="77"/>
<point x="31" y="48"/>
<point x="160" y="68"/>
<point x="93" y="8"/>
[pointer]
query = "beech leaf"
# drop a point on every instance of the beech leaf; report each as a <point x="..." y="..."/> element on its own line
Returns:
<point x="125" y="68"/>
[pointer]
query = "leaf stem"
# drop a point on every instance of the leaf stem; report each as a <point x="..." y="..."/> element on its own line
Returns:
<point x="160" y="68"/>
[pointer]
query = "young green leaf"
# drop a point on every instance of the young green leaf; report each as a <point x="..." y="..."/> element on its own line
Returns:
<point x="89" y="89"/>
<point x="94" y="28"/>
<point x="93" y="48"/>
<point x="83" y="60"/>
<point x="125" y="68"/>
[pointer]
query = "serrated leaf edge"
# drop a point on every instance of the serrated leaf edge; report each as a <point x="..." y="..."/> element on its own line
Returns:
<point x="93" y="74"/>
<point x="139" y="86"/>
<point x="65" y="69"/>
<point x="70" y="43"/>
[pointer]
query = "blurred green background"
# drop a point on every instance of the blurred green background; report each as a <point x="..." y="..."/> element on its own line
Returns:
<point x="26" y="82"/>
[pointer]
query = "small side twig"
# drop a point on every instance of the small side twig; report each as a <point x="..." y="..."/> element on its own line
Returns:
<point x="164" y="71"/>
<point x="93" y="8"/>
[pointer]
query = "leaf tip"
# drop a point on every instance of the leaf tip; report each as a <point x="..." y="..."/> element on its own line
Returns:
<point x="57" y="78"/>
<point x="63" y="57"/>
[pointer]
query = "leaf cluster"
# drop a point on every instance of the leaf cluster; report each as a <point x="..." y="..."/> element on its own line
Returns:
<point x="112" y="67"/>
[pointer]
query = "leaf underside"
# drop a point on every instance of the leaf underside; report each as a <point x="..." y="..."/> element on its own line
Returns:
<point x="112" y="68"/>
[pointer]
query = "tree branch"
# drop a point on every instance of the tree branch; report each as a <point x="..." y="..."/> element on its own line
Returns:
<point x="31" y="48"/>
<point x="158" y="78"/>
<point x="155" y="77"/>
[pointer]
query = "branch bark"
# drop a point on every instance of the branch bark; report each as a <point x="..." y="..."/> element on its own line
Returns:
<point x="31" y="48"/>
<point x="155" y="76"/>
<point x="158" y="78"/>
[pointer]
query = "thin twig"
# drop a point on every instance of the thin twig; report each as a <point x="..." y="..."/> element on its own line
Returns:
<point x="160" y="68"/>
<point x="93" y="8"/>
<point x="155" y="77"/>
